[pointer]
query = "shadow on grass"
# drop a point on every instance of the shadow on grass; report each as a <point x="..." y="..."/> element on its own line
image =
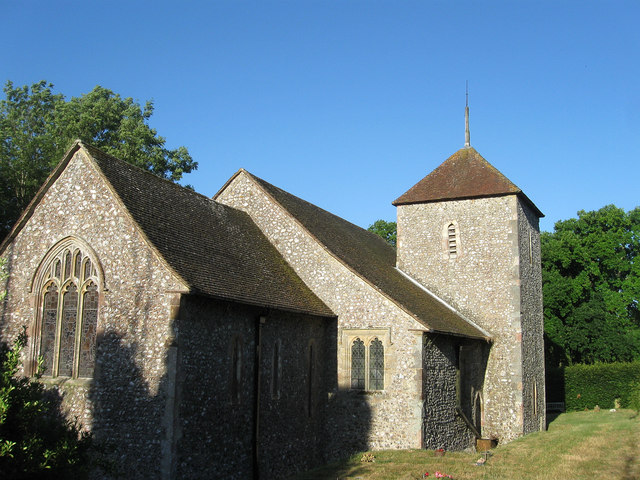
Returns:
<point x="628" y="472"/>
<point x="344" y="469"/>
<point x="551" y="417"/>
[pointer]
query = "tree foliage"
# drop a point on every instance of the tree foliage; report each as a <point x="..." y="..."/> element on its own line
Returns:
<point x="35" y="440"/>
<point x="37" y="126"/>
<point x="387" y="230"/>
<point x="591" y="286"/>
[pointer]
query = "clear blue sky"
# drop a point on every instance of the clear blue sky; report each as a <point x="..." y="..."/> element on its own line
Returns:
<point x="347" y="104"/>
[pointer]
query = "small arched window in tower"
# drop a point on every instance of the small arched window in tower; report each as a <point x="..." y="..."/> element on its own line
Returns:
<point x="452" y="241"/>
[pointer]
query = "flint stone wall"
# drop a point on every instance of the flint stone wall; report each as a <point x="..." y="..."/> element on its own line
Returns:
<point x="533" y="376"/>
<point x="124" y="403"/>
<point x="214" y="433"/>
<point x="389" y="419"/>
<point x="444" y="427"/>
<point x="483" y="283"/>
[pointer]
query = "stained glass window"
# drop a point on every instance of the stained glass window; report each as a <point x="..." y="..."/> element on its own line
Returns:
<point x="68" y="331"/>
<point x="49" y="316"/>
<point x="87" y="269"/>
<point x="68" y="337"/>
<point x="67" y="264"/>
<point x="89" y="330"/>
<point x="357" y="364"/>
<point x="78" y="265"/>
<point x="376" y="365"/>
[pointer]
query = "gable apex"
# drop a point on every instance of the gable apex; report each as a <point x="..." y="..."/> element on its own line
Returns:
<point x="53" y="176"/>
<point x="464" y="175"/>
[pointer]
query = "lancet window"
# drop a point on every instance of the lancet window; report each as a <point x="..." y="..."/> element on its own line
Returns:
<point x="68" y="313"/>
<point x="451" y="240"/>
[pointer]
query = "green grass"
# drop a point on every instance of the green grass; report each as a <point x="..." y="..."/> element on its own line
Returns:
<point x="578" y="445"/>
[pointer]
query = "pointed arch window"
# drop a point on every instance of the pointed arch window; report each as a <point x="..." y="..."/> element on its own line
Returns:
<point x="376" y="365"/>
<point x="367" y="364"/>
<point x="357" y="365"/>
<point x="451" y="237"/>
<point x="451" y="240"/>
<point x="67" y="322"/>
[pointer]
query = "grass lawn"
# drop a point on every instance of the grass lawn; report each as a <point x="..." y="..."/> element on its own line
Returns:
<point x="577" y="445"/>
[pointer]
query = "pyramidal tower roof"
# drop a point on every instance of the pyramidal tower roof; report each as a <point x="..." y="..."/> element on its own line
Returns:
<point x="464" y="175"/>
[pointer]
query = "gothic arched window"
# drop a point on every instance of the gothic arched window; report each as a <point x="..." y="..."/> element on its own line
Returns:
<point x="376" y="365"/>
<point x="367" y="364"/>
<point x="67" y="323"/>
<point x="357" y="364"/>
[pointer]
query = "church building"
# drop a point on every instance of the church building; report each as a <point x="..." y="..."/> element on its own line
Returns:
<point x="254" y="334"/>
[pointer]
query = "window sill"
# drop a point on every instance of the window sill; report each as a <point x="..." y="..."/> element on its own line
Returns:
<point x="76" y="382"/>
<point x="368" y="392"/>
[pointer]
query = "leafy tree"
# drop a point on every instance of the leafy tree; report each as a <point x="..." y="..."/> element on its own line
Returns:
<point x="387" y="230"/>
<point x="35" y="440"/>
<point x="28" y="146"/>
<point x="37" y="126"/>
<point x="591" y="287"/>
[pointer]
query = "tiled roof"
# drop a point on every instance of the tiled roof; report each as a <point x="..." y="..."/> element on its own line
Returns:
<point x="217" y="250"/>
<point x="465" y="174"/>
<point x="373" y="259"/>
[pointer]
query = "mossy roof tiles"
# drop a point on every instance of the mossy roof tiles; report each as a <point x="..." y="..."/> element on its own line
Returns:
<point x="217" y="250"/>
<point x="465" y="174"/>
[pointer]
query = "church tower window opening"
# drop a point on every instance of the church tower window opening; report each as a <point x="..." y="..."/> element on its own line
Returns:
<point x="452" y="243"/>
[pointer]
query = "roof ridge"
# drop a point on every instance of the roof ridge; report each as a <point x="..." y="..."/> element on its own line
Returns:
<point x="89" y="148"/>
<point x="338" y="217"/>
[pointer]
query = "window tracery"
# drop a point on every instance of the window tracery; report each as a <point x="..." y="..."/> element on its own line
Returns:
<point x="366" y="362"/>
<point x="67" y="323"/>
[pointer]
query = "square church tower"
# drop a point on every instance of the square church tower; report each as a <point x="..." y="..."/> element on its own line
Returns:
<point x="472" y="237"/>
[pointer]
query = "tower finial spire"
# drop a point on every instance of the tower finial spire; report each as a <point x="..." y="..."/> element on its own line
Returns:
<point x="467" y="137"/>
